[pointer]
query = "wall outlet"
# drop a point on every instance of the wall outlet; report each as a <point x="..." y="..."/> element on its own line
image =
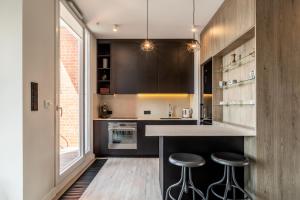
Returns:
<point x="147" y="112"/>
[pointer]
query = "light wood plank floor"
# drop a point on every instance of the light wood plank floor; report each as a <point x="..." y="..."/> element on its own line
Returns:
<point x="126" y="179"/>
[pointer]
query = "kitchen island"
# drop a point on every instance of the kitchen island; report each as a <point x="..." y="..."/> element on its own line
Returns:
<point x="198" y="139"/>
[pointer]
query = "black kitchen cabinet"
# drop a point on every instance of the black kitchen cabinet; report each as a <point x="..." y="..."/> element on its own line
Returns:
<point x="147" y="72"/>
<point x="169" y="68"/>
<point x="124" y="58"/>
<point x="186" y="69"/>
<point x="175" y="68"/>
<point x="207" y="77"/>
<point x="146" y="146"/>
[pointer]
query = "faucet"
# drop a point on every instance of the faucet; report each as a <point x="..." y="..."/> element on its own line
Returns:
<point x="170" y="110"/>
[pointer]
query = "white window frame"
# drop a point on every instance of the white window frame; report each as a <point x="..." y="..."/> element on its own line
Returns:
<point x="85" y="97"/>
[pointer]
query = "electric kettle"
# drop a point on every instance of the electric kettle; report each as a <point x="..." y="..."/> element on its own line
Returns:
<point x="187" y="113"/>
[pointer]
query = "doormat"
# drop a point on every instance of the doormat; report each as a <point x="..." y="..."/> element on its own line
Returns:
<point x="78" y="188"/>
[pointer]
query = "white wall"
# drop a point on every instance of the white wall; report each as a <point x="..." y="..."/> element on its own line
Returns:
<point x="39" y="66"/>
<point x="11" y="107"/>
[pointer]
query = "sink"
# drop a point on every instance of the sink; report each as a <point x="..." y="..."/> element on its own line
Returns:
<point x="170" y="118"/>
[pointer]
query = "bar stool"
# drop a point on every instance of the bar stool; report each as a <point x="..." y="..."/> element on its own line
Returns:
<point x="230" y="161"/>
<point x="185" y="161"/>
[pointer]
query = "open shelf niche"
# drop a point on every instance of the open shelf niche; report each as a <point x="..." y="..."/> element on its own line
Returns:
<point x="103" y="68"/>
<point x="234" y="101"/>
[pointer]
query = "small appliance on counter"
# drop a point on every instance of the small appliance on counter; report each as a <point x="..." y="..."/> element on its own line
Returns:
<point x="104" y="111"/>
<point x="187" y="113"/>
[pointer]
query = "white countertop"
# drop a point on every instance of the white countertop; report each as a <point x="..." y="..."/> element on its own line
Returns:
<point x="218" y="129"/>
<point x="140" y="119"/>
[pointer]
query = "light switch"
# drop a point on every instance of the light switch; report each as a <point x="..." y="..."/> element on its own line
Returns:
<point x="47" y="104"/>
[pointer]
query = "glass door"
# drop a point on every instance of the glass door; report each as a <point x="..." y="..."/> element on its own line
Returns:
<point x="70" y="103"/>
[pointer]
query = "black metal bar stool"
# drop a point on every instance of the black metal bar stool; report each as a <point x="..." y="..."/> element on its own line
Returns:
<point x="230" y="161"/>
<point x="185" y="161"/>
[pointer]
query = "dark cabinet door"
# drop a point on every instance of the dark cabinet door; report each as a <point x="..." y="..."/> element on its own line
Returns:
<point x="167" y="69"/>
<point x="185" y="68"/>
<point x="207" y="77"/>
<point x="147" y="72"/>
<point x="125" y="56"/>
<point x="168" y="72"/>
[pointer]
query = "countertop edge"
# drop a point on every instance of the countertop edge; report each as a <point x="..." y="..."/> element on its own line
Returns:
<point x="141" y="119"/>
<point x="198" y="130"/>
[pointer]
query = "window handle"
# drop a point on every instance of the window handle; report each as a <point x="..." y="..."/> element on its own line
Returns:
<point x="60" y="109"/>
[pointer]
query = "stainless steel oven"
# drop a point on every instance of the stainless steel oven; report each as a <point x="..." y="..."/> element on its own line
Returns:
<point x="122" y="135"/>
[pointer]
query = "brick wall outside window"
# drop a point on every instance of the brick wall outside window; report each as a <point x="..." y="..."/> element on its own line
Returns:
<point x="69" y="89"/>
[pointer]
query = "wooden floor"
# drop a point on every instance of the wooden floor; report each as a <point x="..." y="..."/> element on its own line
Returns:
<point x="126" y="179"/>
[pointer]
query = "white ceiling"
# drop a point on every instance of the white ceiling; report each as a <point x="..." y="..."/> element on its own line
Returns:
<point x="167" y="18"/>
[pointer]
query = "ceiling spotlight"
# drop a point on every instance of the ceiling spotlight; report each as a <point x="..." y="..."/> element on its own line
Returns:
<point x="115" y="28"/>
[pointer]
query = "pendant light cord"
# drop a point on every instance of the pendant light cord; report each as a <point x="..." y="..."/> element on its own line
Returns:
<point x="193" y="18"/>
<point x="193" y="12"/>
<point x="147" y="18"/>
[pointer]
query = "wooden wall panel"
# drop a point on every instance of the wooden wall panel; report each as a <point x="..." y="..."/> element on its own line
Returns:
<point x="234" y="18"/>
<point x="278" y="99"/>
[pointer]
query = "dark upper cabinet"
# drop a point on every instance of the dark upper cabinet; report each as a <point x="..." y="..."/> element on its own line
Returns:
<point x="167" y="69"/>
<point x="175" y="68"/>
<point x="186" y="69"/>
<point x="124" y="59"/>
<point x="147" y="72"/>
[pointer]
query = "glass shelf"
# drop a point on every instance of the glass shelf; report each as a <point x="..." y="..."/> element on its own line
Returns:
<point x="241" y="82"/>
<point x="236" y="104"/>
<point x="238" y="63"/>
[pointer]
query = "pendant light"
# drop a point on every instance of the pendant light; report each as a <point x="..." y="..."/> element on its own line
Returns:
<point x="147" y="45"/>
<point x="193" y="45"/>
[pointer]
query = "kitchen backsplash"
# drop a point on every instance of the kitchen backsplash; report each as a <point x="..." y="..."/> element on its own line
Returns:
<point x="135" y="105"/>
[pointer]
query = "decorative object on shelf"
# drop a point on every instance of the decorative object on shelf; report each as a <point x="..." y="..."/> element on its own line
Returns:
<point x="232" y="66"/>
<point x="232" y="82"/>
<point x="251" y="75"/>
<point x="104" y="77"/>
<point x="105" y="63"/>
<point x="222" y="84"/>
<point x="104" y="90"/>
<point x="233" y="58"/>
<point x="147" y="45"/>
<point x="194" y="44"/>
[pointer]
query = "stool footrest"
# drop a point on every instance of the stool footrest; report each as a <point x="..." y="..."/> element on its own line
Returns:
<point x="186" y="183"/>
<point x="231" y="184"/>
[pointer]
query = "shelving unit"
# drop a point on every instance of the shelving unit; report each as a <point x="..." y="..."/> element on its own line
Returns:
<point x="103" y="68"/>
<point x="235" y="104"/>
